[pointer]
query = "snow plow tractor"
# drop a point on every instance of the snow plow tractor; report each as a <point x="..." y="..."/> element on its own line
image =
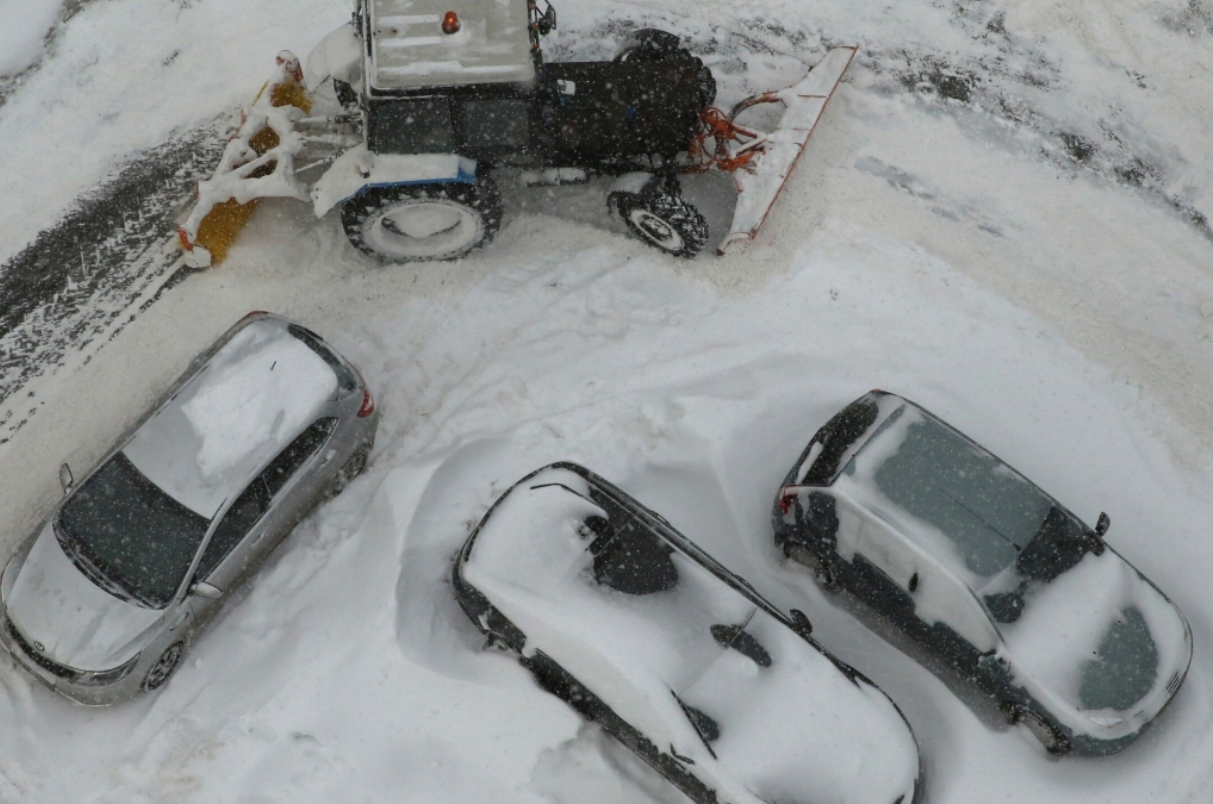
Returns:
<point x="406" y="114"/>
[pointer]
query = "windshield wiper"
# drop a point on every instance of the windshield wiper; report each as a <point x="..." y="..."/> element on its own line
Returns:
<point x="78" y="555"/>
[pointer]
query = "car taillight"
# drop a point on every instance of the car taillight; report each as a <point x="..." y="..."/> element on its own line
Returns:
<point x="368" y="404"/>
<point x="252" y="313"/>
<point x="786" y="498"/>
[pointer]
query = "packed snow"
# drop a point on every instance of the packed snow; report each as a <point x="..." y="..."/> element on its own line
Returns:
<point x="23" y="33"/>
<point x="998" y="216"/>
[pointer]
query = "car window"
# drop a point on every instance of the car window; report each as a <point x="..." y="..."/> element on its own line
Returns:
<point x="282" y="468"/>
<point x="839" y="433"/>
<point x="345" y="377"/>
<point x="629" y="558"/>
<point x="125" y="532"/>
<point x="237" y="522"/>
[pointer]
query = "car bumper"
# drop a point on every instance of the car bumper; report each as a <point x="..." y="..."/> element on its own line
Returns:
<point x="63" y="680"/>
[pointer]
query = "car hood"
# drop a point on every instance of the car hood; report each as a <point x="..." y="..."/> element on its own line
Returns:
<point x="1103" y="640"/>
<point x="77" y="623"/>
<point x="791" y="726"/>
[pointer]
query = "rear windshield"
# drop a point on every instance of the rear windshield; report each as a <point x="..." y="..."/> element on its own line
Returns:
<point x="345" y="377"/>
<point x="130" y="537"/>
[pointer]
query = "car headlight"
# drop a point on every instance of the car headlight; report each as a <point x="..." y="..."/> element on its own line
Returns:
<point x="102" y="677"/>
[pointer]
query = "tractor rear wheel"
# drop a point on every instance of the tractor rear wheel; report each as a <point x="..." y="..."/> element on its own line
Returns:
<point x="415" y="222"/>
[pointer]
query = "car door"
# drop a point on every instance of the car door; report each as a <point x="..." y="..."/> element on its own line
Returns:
<point x="262" y="513"/>
<point x="296" y="481"/>
<point x="882" y="567"/>
<point x="955" y="624"/>
<point x="226" y="557"/>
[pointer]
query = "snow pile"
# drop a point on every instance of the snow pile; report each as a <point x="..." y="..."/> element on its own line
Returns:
<point x="23" y="28"/>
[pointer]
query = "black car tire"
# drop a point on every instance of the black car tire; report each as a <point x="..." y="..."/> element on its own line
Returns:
<point x="816" y="564"/>
<point x="1040" y="727"/>
<point x="421" y="222"/>
<point x="663" y="219"/>
<point x="164" y="667"/>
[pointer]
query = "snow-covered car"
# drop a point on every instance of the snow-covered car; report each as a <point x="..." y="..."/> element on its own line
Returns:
<point x="107" y="596"/>
<point x="970" y="558"/>
<point x="642" y="632"/>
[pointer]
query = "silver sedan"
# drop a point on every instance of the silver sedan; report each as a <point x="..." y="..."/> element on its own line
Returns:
<point x="104" y="600"/>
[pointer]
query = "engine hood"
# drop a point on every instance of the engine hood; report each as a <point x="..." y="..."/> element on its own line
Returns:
<point x="76" y="622"/>
<point x="1103" y="640"/>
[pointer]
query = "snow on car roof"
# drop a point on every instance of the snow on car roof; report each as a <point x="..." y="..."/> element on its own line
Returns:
<point x="637" y="624"/>
<point x="409" y="49"/>
<point x="251" y="399"/>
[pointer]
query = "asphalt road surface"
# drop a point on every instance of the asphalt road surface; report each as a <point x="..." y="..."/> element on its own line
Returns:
<point x="80" y="281"/>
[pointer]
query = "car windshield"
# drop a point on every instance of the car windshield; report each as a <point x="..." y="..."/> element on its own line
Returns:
<point x="991" y="515"/>
<point x="128" y="536"/>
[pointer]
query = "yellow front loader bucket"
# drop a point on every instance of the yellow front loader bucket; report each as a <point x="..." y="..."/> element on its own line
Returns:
<point x="257" y="162"/>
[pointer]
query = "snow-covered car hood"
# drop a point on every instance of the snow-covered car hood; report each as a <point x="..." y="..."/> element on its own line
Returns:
<point x="1103" y="640"/>
<point x="793" y="728"/>
<point x="77" y="623"/>
<point x="797" y="729"/>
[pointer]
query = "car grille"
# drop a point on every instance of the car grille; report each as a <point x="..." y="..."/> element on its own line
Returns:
<point x="1173" y="684"/>
<point x="52" y="667"/>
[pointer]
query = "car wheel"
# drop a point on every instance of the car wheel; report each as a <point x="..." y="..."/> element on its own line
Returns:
<point x="355" y="466"/>
<point x="1054" y="741"/>
<point x="816" y="564"/>
<point x="413" y="223"/>
<point x="159" y="672"/>
<point x="664" y="220"/>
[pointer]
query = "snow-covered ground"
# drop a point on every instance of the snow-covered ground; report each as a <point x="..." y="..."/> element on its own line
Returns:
<point x="1001" y="216"/>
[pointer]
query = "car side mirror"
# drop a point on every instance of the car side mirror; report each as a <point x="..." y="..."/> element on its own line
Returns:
<point x="65" y="477"/>
<point x="1096" y="536"/>
<point x="800" y="623"/>
<point x="206" y="590"/>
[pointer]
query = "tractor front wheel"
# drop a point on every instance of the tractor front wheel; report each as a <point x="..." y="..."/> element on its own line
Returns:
<point x="663" y="219"/>
<point x="411" y="223"/>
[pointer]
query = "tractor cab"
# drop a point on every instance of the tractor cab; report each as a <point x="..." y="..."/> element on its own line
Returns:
<point x="439" y="80"/>
<point x="473" y="82"/>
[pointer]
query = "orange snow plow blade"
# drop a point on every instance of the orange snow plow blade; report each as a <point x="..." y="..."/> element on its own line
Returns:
<point x="261" y="152"/>
<point x="762" y="162"/>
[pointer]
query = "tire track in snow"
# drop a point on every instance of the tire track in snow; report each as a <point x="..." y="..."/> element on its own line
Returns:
<point x="82" y="280"/>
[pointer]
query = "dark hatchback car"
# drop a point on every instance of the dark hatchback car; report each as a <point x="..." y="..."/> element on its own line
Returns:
<point x="999" y="579"/>
<point x="642" y="632"/>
